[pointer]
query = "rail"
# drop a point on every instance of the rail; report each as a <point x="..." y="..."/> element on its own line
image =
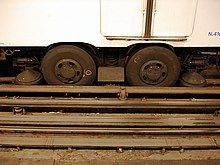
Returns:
<point x="111" y="131"/>
<point x="110" y="97"/>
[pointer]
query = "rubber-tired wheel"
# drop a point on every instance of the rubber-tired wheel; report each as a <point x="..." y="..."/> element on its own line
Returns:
<point x="153" y="66"/>
<point x="68" y="65"/>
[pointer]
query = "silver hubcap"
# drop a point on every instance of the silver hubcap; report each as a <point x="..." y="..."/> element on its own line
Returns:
<point x="68" y="71"/>
<point x="153" y="72"/>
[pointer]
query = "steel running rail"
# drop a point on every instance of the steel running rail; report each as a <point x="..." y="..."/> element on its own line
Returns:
<point x="61" y="132"/>
<point x="109" y="97"/>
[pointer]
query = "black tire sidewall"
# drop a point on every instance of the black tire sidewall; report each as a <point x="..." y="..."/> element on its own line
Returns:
<point x="68" y="52"/>
<point x="153" y="53"/>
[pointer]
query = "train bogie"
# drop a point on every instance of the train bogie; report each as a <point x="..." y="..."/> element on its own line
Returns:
<point x="133" y="42"/>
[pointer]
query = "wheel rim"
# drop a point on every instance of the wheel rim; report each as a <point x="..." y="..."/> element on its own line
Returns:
<point x="153" y="72"/>
<point x="68" y="71"/>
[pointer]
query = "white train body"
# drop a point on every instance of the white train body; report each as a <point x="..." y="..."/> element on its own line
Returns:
<point x="110" y="23"/>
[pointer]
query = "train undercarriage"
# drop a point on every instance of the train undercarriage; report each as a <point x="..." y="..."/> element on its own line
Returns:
<point x="83" y="65"/>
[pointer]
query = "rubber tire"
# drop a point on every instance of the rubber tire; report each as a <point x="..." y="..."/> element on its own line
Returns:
<point x="71" y="52"/>
<point x="162" y="54"/>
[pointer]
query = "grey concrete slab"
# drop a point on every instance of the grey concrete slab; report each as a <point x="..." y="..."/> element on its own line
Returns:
<point x="108" y="142"/>
<point x="37" y="162"/>
<point x="9" y="161"/>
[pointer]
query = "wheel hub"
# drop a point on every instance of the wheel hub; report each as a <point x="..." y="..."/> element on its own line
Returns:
<point x="68" y="71"/>
<point x="153" y="72"/>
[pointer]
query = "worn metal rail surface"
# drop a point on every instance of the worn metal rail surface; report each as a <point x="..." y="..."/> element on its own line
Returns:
<point x="122" y="91"/>
<point x="109" y="97"/>
<point x="115" y="130"/>
<point x="111" y="131"/>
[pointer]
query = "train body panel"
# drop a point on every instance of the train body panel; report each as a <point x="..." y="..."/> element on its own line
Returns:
<point x="42" y="23"/>
<point x="206" y="29"/>
<point x="110" y="23"/>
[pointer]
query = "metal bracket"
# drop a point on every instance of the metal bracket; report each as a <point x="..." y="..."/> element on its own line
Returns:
<point x="123" y="94"/>
<point x="111" y="74"/>
<point x="18" y="110"/>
